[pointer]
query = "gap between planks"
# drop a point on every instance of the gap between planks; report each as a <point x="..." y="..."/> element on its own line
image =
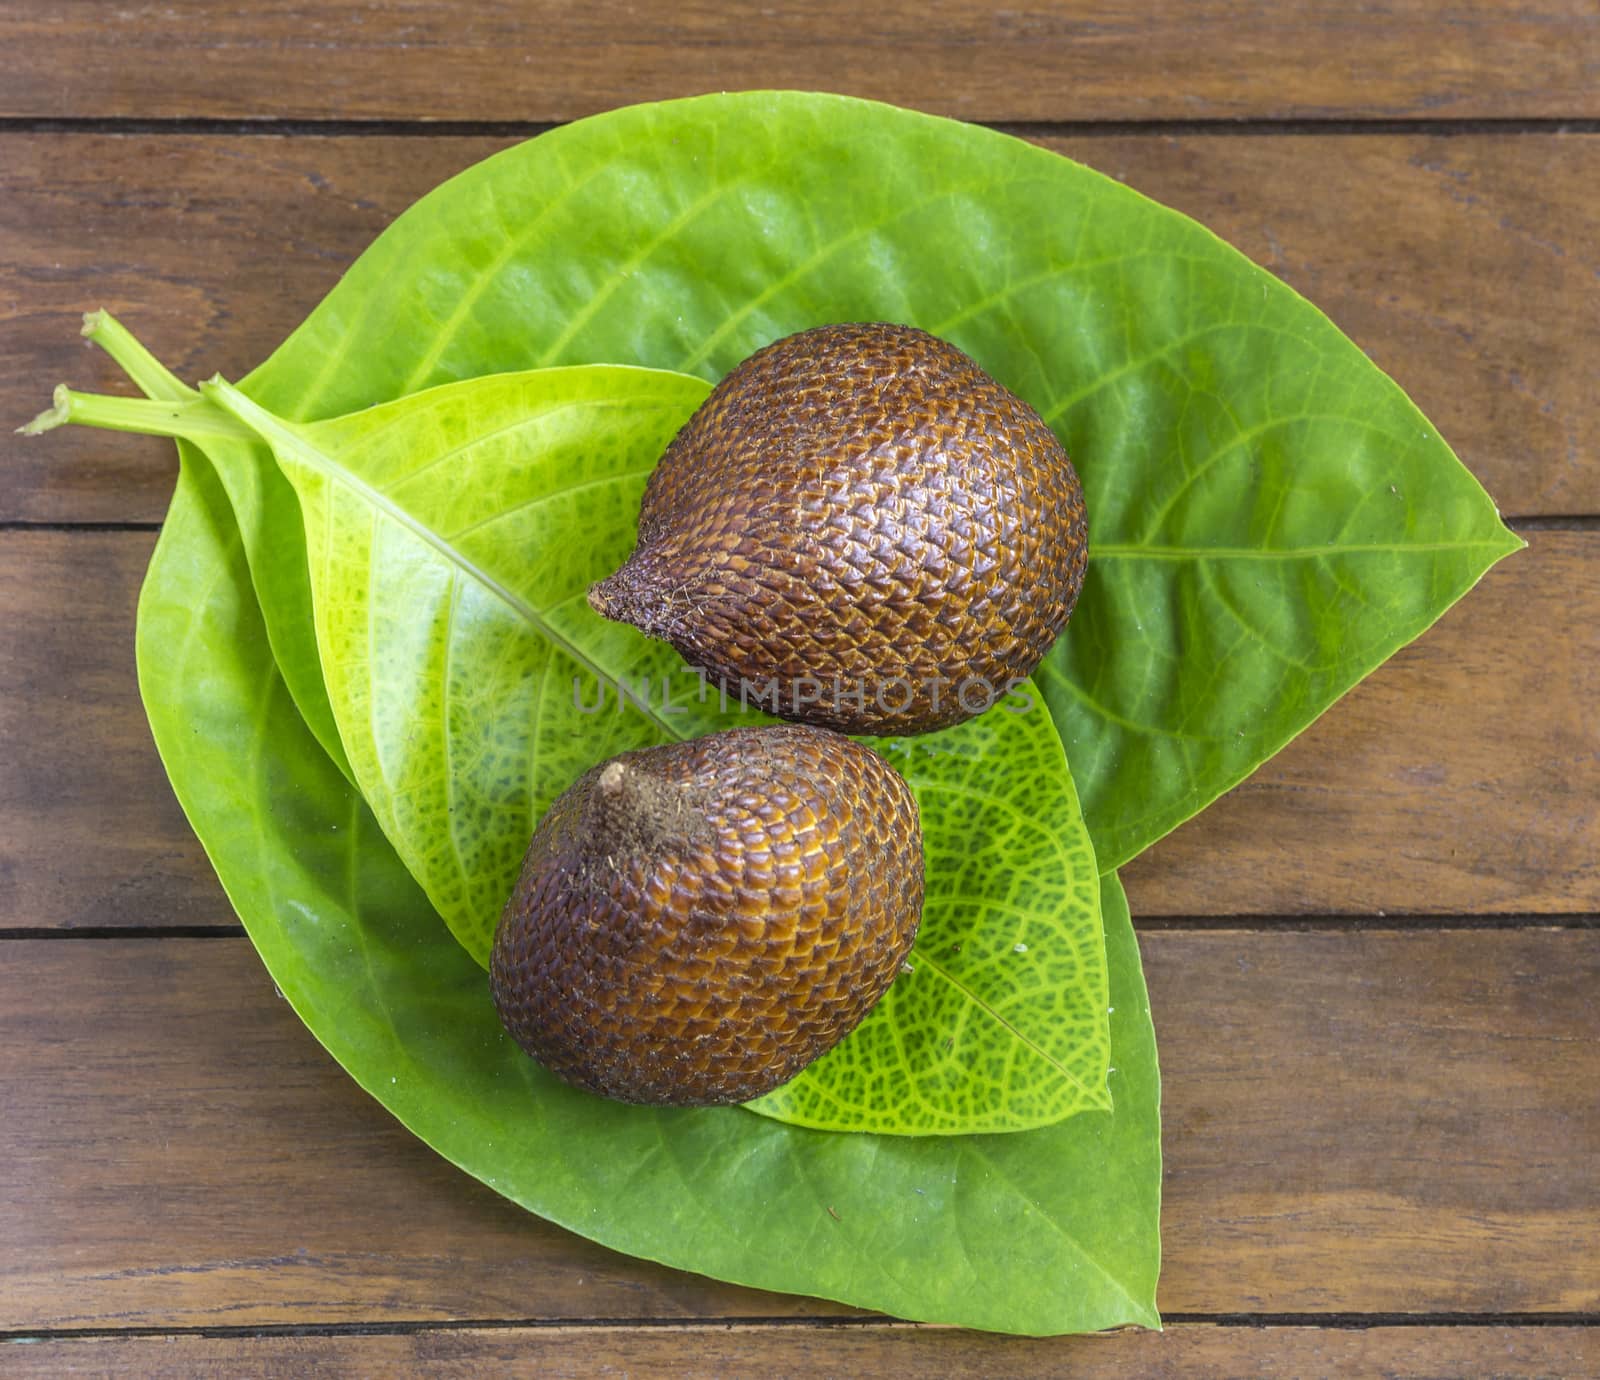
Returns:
<point x="1531" y="522"/>
<point x="875" y="1322"/>
<point x="1397" y="924"/>
<point x="519" y="129"/>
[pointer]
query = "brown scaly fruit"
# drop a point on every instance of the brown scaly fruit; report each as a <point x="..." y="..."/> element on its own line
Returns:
<point x="862" y="525"/>
<point x="695" y="923"/>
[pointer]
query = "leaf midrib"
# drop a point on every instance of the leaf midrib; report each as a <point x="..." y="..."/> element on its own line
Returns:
<point x="1061" y="1231"/>
<point x="1100" y="1102"/>
<point x="1138" y="551"/>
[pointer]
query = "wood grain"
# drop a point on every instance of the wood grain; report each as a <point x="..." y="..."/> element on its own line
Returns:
<point x="1353" y="1122"/>
<point x="1362" y="1126"/>
<point x="1044" y="60"/>
<point x="866" y="1351"/>
<point x="90" y="833"/>
<point x="1462" y="778"/>
<point x="1467" y="266"/>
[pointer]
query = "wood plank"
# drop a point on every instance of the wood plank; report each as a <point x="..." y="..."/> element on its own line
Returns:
<point x="546" y="60"/>
<point x="1361" y="1122"/>
<point x="212" y="250"/>
<point x="1462" y="778"/>
<point x="90" y="833"/>
<point x="870" y="1351"/>
<point x="1451" y="259"/>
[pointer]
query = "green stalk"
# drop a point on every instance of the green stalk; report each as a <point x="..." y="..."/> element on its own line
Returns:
<point x="152" y="377"/>
<point x="187" y="418"/>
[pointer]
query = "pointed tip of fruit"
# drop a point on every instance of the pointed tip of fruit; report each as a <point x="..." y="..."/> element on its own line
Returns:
<point x="612" y="597"/>
<point x="631" y="594"/>
<point x="600" y="598"/>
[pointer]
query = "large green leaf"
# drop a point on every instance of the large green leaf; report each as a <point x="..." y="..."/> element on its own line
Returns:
<point x="456" y="532"/>
<point x="1269" y="516"/>
<point x="1042" y="1231"/>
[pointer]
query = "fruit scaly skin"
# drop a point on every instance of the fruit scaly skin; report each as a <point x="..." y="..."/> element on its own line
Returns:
<point x="695" y="923"/>
<point x="859" y="513"/>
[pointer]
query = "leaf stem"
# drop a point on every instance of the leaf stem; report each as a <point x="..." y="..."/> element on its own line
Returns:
<point x="151" y="376"/>
<point x="187" y="418"/>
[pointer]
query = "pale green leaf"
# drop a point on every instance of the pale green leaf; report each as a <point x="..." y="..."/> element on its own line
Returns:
<point x="448" y="596"/>
<point x="267" y="513"/>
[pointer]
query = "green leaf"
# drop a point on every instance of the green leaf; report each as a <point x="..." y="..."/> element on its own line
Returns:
<point x="456" y="533"/>
<point x="1044" y="1231"/>
<point x="1269" y="516"/>
<point x="1303" y="523"/>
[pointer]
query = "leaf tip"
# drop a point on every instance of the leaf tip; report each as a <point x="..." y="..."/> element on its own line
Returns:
<point x="1507" y="543"/>
<point x="59" y="413"/>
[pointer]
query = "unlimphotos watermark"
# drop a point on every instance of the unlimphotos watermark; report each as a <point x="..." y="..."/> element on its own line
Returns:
<point x="792" y="697"/>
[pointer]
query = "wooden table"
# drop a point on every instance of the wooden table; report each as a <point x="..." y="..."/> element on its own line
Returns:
<point x="1373" y="966"/>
